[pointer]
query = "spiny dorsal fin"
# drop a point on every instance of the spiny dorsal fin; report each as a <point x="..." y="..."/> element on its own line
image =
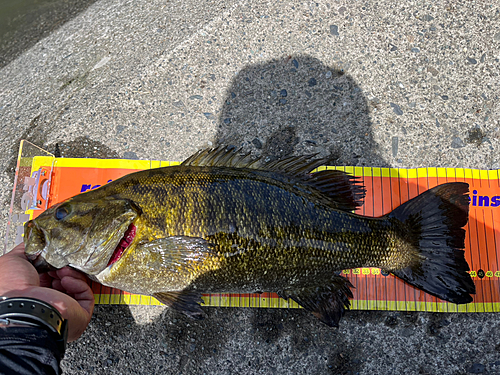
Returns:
<point x="342" y="191"/>
<point x="223" y="157"/>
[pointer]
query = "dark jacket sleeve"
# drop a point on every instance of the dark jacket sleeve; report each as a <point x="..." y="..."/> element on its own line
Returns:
<point x="25" y="350"/>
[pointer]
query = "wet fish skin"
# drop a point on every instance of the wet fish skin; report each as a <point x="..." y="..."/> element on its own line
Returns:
<point x="225" y="223"/>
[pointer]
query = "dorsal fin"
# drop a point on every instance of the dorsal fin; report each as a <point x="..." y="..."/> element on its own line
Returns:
<point x="344" y="190"/>
<point x="341" y="190"/>
<point x="223" y="157"/>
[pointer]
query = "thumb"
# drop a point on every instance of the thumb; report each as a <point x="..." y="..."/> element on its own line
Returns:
<point x="18" y="251"/>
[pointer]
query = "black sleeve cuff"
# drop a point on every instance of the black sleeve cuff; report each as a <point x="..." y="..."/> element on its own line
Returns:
<point x="26" y="350"/>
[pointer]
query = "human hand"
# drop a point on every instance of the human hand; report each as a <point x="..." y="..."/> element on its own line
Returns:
<point x="65" y="289"/>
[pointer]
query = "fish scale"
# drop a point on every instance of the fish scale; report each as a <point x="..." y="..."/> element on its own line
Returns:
<point x="225" y="223"/>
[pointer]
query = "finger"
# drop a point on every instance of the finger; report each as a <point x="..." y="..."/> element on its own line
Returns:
<point x="74" y="286"/>
<point x="45" y="280"/>
<point x="68" y="271"/>
<point x="86" y="300"/>
<point x="19" y="247"/>
<point x="57" y="285"/>
<point x="18" y="251"/>
<point x="81" y="291"/>
<point x="87" y="304"/>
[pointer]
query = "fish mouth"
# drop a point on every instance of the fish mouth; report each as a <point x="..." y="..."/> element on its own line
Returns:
<point x="124" y="243"/>
<point x="41" y="265"/>
<point x="35" y="241"/>
<point x="35" y="237"/>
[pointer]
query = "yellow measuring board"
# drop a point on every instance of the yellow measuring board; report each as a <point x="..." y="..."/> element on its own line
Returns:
<point x="386" y="189"/>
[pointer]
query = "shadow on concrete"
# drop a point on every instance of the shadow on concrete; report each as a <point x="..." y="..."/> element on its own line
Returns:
<point x="298" y="105"/>
<point x="228" y="341"/>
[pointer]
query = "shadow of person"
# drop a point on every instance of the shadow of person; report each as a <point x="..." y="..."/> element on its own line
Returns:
<point x="298" y="105"/>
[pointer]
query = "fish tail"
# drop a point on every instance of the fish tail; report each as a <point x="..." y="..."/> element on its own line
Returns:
<point x="431" y="228"/>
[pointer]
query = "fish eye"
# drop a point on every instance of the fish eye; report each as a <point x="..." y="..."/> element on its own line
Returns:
<point x="61" y="212"/>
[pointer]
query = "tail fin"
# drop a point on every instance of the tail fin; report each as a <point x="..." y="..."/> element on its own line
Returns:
<point x="433" y="224"/>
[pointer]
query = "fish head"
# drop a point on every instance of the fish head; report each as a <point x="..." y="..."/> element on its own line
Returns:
<point x="83" y="234"/>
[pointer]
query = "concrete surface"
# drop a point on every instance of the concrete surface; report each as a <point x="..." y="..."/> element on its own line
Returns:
<point x="382" y="83"/>
<point x="24" y="22"/>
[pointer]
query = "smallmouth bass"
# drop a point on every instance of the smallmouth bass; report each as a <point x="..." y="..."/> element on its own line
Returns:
<point x="225" y="223"/>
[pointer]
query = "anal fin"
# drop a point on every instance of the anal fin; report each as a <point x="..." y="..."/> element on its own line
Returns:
<point x="327" y="302"/>
<point x="186" y="302"/>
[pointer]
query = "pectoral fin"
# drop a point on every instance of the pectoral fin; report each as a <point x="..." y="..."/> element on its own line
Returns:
<point x="186" y="302"/>
<point x="180" y="247"/>
<point x="326" y="302"/>
<point x="182" y="256"/>
<point x="177" y="253"/>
